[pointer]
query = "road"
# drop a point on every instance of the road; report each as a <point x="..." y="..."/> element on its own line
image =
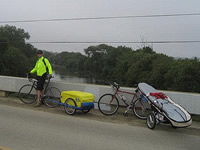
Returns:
<point x="32" y="129"/>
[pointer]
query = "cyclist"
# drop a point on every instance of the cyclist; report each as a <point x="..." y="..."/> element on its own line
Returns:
<point x="42" y="67"/>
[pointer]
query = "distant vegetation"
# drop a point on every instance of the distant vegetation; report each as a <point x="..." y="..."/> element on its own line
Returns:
<point x="122" y="64"/>
<point x="16" y="56"/>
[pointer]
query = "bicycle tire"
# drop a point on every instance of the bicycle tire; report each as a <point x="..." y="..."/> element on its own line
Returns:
<point x="52" y="97"/>
<point x="85" y="110"/>
<point x="27" y="94"/>
<point x="108" y="104"/>
<point x="70" y="106"/>
<point x="140" y="108"/>
<point x="151" y="121"/>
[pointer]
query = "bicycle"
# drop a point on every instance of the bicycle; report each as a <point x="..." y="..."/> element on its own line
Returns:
<point x="51" y="96"/>
<point x="108" y="104"/>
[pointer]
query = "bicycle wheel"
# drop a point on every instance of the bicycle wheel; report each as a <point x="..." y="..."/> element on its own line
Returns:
<point x="151" y="121"/>
<point x="85" y="110"/>
<point x="70" y="106"/>
<point x="141" y="108"/>
<point x="108" y="104"/>
<point x="52" y="97"/>
<point x="27" y="94"/>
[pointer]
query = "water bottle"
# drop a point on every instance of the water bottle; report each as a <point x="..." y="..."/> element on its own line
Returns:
<point x="124" y="98"/>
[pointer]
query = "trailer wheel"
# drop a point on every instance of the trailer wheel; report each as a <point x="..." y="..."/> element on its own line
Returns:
<point x="86" y="110"/>
<point x="151" y="121"/>
<point x="70" y="106"/>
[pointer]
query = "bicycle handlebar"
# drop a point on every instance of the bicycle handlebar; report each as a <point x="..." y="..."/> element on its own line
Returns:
<point x="115" y="85"/>
<point x="29" y="76"/>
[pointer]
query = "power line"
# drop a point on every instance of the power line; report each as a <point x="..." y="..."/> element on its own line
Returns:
<point x="101" y="18"/>
<point x="114" y="42"/>
<point x="106" y="42"/>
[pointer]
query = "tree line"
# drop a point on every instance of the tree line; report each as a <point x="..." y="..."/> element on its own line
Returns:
<point x="105" y="63"/>
<point x="16" y="56"/>
<point x="129" y="67"/>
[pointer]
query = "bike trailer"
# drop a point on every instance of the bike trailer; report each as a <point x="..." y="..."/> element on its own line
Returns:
<point x="83" y="100"/>
<point x="164" y="105"/>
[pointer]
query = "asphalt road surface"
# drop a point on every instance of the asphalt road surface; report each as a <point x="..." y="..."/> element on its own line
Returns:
<point x="33" y="129"/>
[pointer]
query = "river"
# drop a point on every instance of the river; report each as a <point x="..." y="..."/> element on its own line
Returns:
<point x="71" y="78"/>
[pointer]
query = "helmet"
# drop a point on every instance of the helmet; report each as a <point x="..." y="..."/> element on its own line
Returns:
<point x="39" y="52"/>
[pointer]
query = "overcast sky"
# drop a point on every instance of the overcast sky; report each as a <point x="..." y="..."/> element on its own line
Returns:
<point x="131" y="29"/>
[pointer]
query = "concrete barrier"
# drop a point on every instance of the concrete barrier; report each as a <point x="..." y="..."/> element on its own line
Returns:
<point x="190" y="101"/>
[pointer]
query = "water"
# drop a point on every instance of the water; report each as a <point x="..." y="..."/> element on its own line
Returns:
<point x="71" y="78"/>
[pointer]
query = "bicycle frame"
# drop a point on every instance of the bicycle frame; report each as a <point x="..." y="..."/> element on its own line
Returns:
<point x="111" y="101"/>
<point x="35" y="85"/>
<point x="47" y="85"/>
<point x="122" y="91"/>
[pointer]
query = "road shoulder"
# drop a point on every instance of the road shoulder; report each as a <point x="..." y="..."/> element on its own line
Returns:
<point x="96" y="115"/>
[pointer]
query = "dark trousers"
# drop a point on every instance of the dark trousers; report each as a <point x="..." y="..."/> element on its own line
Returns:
<point x="41" y="81"/>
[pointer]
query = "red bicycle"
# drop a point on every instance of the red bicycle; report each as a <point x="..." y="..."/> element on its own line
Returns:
<point x="108" y="104"/>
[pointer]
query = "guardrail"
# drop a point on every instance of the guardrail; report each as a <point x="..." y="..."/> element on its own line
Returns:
<point x="190" y="101"/>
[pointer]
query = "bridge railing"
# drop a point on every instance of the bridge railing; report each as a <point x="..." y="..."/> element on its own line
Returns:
<point x="190" y="101"/>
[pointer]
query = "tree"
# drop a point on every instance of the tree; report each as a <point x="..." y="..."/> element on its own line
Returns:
<point x="184" y="75"/>
<point x="14" y="35"/>
<point x="16" y="57"/>
<point x="15" y="62"/>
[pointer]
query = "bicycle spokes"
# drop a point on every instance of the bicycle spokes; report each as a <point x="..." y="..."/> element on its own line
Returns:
<point x="108" y="104"/>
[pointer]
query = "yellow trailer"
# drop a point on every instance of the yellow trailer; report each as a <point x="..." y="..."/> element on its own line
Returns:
<point x="77" y="100"/>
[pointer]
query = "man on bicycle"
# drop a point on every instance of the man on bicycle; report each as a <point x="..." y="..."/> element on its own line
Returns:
<point x="42" y="67"/>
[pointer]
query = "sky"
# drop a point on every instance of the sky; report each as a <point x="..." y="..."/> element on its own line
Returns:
<point x="184" y="28"/>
